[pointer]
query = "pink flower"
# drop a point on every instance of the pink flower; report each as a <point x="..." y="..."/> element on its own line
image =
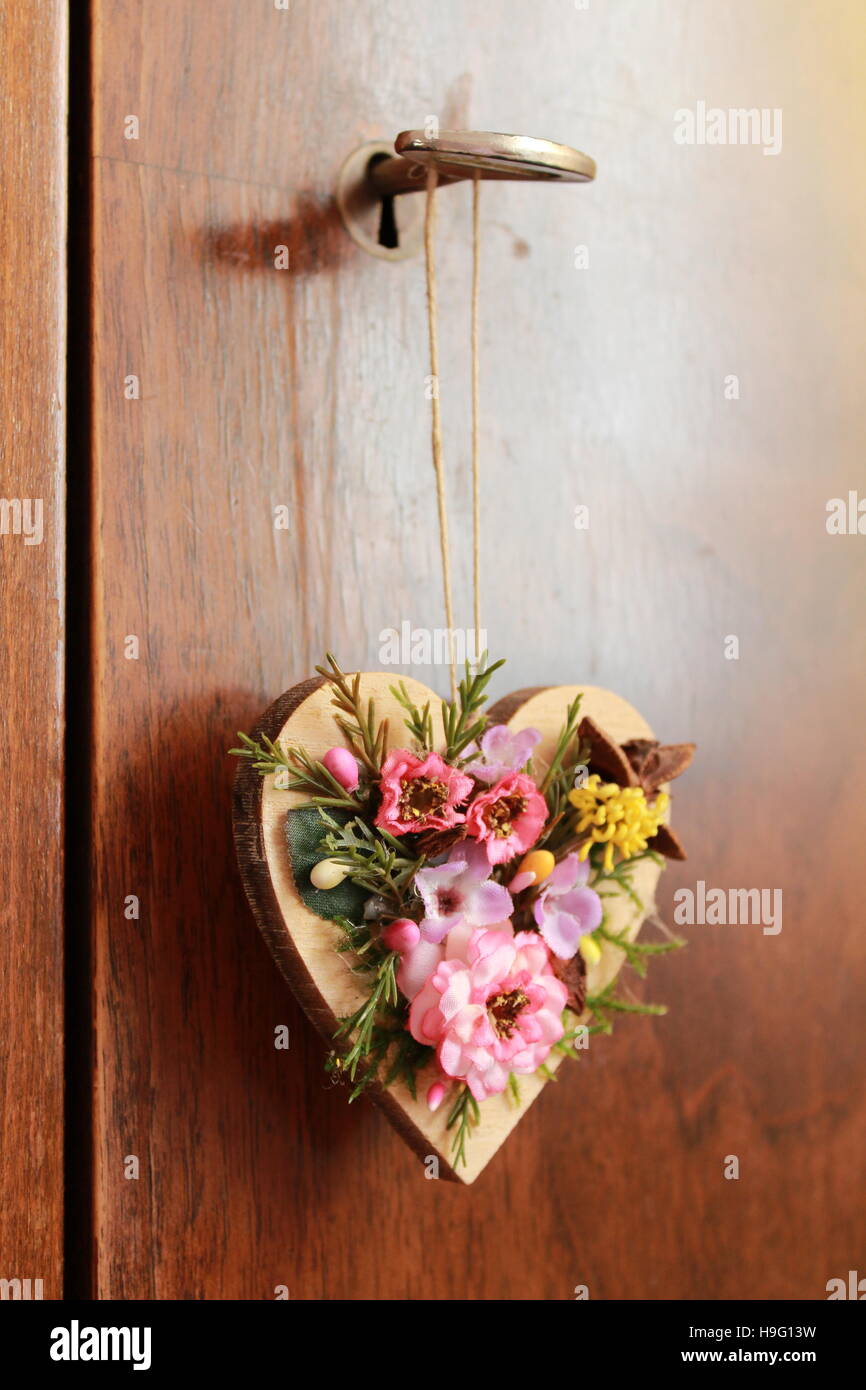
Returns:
<point x="501" y="752"/>
<point x="508" y="818"/>
<point x="417" y="964"/>
<point x="493" y="1006"/>
<point x="565" y="909"/>
<point x="420" y="794"/>
<point x="461" y="890"/>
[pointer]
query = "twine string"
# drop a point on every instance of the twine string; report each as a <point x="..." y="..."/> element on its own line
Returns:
<point x="436" y="413"/>
<point x="476" y="484"/>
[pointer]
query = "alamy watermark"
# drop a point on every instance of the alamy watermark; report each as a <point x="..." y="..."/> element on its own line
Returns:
<point x="846" y="516"/>
<point x="424" y="646"/>
<point x="713" y="125"/>
<point x="852" y="1287"/>
<point x="77" y="1343"/>
<point x="20" y="1289"/>
<point x="719" y="907"/>
<point x="22" y="516"/>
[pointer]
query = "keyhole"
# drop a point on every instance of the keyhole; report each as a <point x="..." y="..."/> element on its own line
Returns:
<point x="369" y="216"/>
<point x="389" y="236"/>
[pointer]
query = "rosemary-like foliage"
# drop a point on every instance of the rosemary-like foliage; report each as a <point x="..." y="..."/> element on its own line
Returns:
<point x="459" y="716"/>
<point x="378" y="862"/>
<point x="607" y="1002"/>
<point x="377" y="1030"/>
<point x="418" y="722"/>
<point x="298" y="772"/>
<point x="356" y="718"/>
<point x="463" y="1118"/>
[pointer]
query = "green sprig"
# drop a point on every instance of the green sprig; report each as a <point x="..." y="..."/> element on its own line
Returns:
<point x="356" y="718"/>
<point x="418" y="722"/>
<point x="381" y="1022"/>
<point x="565" y="1045"/>
<point x="458" y="716"/>
<point x="358" y="939"/>
<point x="362" y="1022"/>
<point x="554" y="773"/>
<point x="463" y="1118"/>
<point x="638" y="953"/>
<point x="302" y="773"/>
<point x="408" y="1057"/>
<point x="621" y="873"/>
<point x="607" y="1002"/>
<point x="389" y="1042"/>
<point x="377" y="860"/>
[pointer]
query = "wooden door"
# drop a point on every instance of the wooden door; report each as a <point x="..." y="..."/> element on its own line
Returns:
<point x="33" y="101"/>
<point x="678" y="348"/>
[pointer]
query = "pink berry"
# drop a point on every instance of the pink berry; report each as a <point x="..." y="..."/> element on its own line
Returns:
<point x="342" y="767"/>
<point x="435" y="1095"/>
<point x="402" y="935"/>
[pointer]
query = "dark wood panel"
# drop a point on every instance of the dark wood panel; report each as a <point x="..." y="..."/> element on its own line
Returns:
<point x="32" y="349"/>
<point x="606" y="387"/>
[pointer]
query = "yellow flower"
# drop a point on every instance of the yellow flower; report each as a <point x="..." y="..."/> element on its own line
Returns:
<point x="619" y="818"/>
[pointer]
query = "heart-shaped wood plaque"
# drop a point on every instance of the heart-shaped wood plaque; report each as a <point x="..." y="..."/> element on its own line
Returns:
<point x="304" y="944"/>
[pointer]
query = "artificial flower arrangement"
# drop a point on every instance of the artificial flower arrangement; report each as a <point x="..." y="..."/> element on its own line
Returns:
<point x="468" y="884"/>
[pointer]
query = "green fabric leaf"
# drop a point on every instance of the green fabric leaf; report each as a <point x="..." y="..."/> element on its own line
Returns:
<point x="304" y="833"/>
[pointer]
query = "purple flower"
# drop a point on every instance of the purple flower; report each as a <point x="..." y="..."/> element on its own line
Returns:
<point x="566" y="909"/>
<point x="461" y="890"/>
<point x="501" y="752"/>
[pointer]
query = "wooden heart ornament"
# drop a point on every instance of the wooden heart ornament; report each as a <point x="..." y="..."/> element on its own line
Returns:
<point x="323" y="953"/>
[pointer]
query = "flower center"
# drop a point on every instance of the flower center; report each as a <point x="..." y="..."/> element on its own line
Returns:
<point x="422" y="797"/>
<point x="502" y="813"/>
<point x="448" y="901"/>
<point x="503" y="1010"/>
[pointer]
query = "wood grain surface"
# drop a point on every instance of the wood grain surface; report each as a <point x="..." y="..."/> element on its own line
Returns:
<point x="603" y="387"/>
<point x="33" y="99"/>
